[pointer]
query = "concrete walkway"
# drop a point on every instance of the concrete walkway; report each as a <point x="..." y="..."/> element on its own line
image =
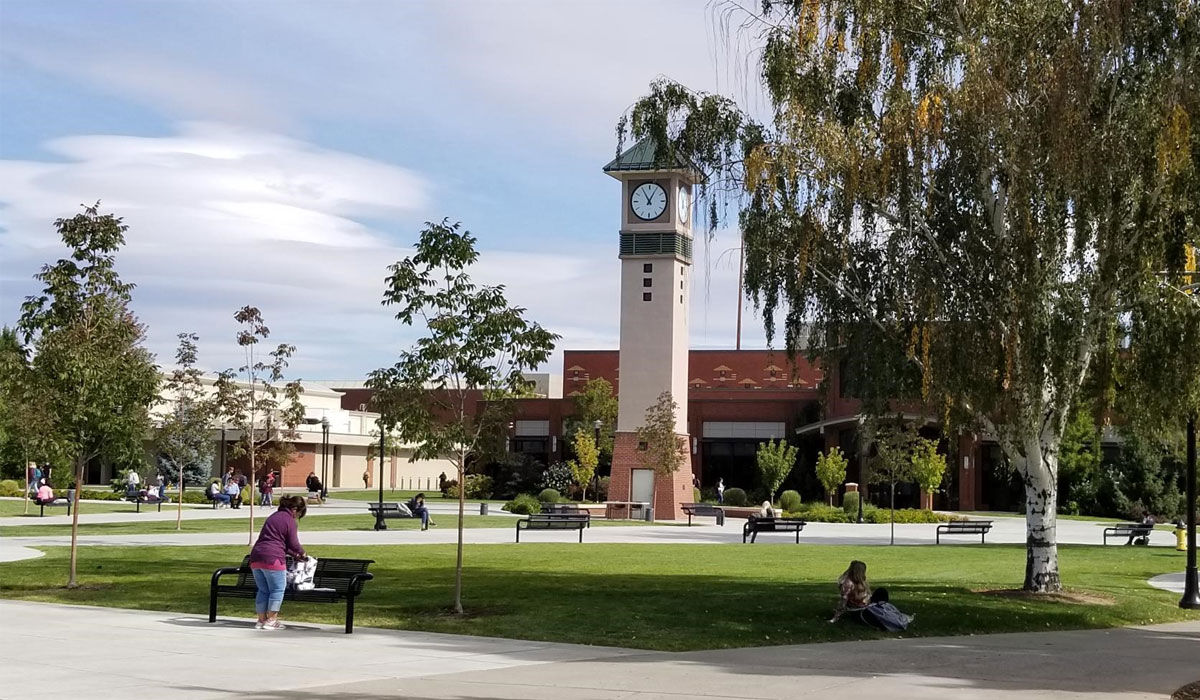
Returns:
<point x="1005" y="530"/>
<point x="101" y="653"/>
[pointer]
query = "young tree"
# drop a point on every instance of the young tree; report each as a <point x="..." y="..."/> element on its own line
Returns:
<point x="893" y="463"/>
<point x="258" y="403"/>
<point x="587" y="458"/>
<point x="88" y="361"/>
<point x="184" y="433"/>
<point x="831" y="471"/>
<point x="665" y="450"/>
<point x="596" y="402"/>
<point x="26" y="421"/>
<point x="775" y="460"/>
<point x="475" y="346"/>
<point x="928" y="465"/>
<point x="989" y="197"/>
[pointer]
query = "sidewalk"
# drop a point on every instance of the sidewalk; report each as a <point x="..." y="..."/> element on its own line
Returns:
<point x="101" y="653"/>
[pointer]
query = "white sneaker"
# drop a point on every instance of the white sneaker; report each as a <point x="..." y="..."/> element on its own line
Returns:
<point x="258" y="625"/>
<point x="272" y="626"/>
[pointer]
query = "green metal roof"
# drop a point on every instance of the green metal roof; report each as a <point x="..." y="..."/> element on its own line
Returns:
<point x="640" y="156"/>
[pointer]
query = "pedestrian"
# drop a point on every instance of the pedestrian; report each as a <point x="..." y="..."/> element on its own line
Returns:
<point x="228" y="475"/>
<point x="267" y="489"/>
<point x="366" y="479"/>
<point x="720" y="490"/>
<point x="162" y="487"/>
<point x="442" y="482"/>
<point x="278" y="539"/>
<point x="35" y="477"/>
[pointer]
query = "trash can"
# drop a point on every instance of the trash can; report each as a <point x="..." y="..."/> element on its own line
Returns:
<point x="483" y="509"/>
<point x="648" y="511"/>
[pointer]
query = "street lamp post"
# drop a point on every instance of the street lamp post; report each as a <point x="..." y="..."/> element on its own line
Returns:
<point x="379" y="524"/>
<point x="324" y="458"/>
<point x="595" y="475"/>
<point x="1191" y="591"/>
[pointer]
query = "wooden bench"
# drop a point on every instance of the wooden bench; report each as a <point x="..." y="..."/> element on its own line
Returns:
<point x="1129" y="530"/>
<point x="555" y="521"/>
<point x="391" y="511"/>
<point x="703" y="510"/>
<point x="963" y="527"/>
<point x="333" y="581"/>
<point x="756" y="525"/>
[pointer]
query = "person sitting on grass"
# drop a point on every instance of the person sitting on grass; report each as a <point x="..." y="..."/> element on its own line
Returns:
<point x="417" y="506"/>
<point x="857" y="602"/>
<point x="45" y="494"/>
<point x="214" y="494"/>
<point x="234" y="492"/>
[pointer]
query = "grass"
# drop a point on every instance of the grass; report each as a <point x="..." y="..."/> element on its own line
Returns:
<point x="15" y="508"/>
<point x="433" y="496"/>
<point x="669" y="597"/>
<point x="1085" y="518"/>
<point x="362" y="521"/>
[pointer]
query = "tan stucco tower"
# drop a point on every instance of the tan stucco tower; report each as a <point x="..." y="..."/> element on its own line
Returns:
<point x="656" y="264"/>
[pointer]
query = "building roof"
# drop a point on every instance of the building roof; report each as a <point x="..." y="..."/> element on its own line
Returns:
<point x="641" y="156"/>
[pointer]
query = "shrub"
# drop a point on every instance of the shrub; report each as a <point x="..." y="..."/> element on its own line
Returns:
<point x="821" y="513"/>
<point x="850" y="502"/>
<point x="735" y="497"/>
<point x="523" y="504"/>
<point x="558" y="476"/>
<point x="515" y="474"/>
<point x="602" y="488"/>
<point x="904" y="515"/>
<point x="549" y="496"/>
<point x="479" y="486"/>
<point x="790" y="501"/>
<point x="8" y="487"/>
<point x="450" y="488"/>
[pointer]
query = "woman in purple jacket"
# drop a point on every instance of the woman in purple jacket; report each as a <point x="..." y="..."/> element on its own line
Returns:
<point x="268" y="559"/>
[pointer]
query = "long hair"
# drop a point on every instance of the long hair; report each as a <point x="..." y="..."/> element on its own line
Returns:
<point x="856" y="574"/>
<point x="296" y="504"/>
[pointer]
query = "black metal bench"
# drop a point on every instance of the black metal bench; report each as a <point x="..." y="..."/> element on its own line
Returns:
<point x="703" y="510"/>
<point x="340" y="579"/>
<point x="391" y="511"/>
<point x="1131" y="531"/>
<point x="551" y="508"/>
<point x="60" y="501"/>
<point x="756" y="525"/>
<point x="963" y="527"/>
<point x="139" y="501"/>
<point x="555" y="521"/>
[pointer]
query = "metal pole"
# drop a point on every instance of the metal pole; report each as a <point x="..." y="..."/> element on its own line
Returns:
<point x="741" y="265"/>
<point x="324" y="458"/>
<point x="379" y="524"/>
<point x="1191" y="591"/>
<point x="222" y="452"/>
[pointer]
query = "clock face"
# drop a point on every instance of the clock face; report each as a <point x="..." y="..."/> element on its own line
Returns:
<point x="684" y="198"/>
<point x="649" y="201"/>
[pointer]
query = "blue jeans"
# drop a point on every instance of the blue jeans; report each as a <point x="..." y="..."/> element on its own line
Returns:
<point x="271" y="585"/>
<point x="423" y="513"/>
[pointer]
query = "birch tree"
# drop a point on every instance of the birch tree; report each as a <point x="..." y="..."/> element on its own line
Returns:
<point x="475" y="345"/>
<point x="968" y="205"/>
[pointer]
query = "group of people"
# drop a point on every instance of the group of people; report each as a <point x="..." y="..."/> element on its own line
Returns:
<point x="231" y="489"/>
<point x="150" y="491"/>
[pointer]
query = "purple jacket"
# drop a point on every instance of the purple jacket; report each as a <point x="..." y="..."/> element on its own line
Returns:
<point x="277" y="539"/>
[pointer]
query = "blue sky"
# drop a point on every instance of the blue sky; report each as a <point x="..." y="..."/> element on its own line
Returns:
<point x="281" y="154"/>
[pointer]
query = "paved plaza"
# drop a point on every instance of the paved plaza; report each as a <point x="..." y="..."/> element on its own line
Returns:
<point x="103" y="653"/>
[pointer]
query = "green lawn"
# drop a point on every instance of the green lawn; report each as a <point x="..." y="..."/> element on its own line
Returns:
<point x="433" y="496"/>
<point x="671" y="597"/>
<point x="10" y="508"/>
<point x="1085" y="518"/>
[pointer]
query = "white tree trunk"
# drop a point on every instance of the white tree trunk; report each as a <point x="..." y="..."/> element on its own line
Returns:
<point x="1038" y="467"/>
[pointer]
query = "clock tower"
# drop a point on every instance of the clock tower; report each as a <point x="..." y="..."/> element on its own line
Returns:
<point x="656" y="264"/>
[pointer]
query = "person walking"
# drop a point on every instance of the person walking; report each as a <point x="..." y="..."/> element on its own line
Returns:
<point x="267" y="489"/>
<point x="366" y="479"/>
<point x="278" y="539"/>
<point x="720" y="490"/>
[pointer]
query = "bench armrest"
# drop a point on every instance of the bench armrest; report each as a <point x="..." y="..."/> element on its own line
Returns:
<point x="357" y="581"/>
<point x="224" y="571"/>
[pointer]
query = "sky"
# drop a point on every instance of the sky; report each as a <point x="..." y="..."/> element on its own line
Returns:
<point x="283" y="154"/>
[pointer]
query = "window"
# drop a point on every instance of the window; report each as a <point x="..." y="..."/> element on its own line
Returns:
<point x="681" y="285"/>
<point x="645" y="296"/>
<point x="648" y="268"/>
<point x="642" y="447"/>
<point x="647" y="281"/>
<point x="680" y="298"/>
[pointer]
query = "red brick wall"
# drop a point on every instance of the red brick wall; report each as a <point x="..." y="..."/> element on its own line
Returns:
<point x="670" y="492"/>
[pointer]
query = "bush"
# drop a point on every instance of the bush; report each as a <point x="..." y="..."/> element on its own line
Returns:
<point x="904" y="515"/>
<point x="735" y="497"/>
<point x="479" y="486"/>
<point x="790" y="501"/>
<point x="8" y="487"/>
<point x="549" y="496"/>
<point x="558" y="476"/>
<point x="524" y="504"/>
<point x="450" y="488"/>
<point x="602" y="489"/>
<point x="515" y="474"/>
<point x="850" y="502"/>
<point x="821" y="513"/>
